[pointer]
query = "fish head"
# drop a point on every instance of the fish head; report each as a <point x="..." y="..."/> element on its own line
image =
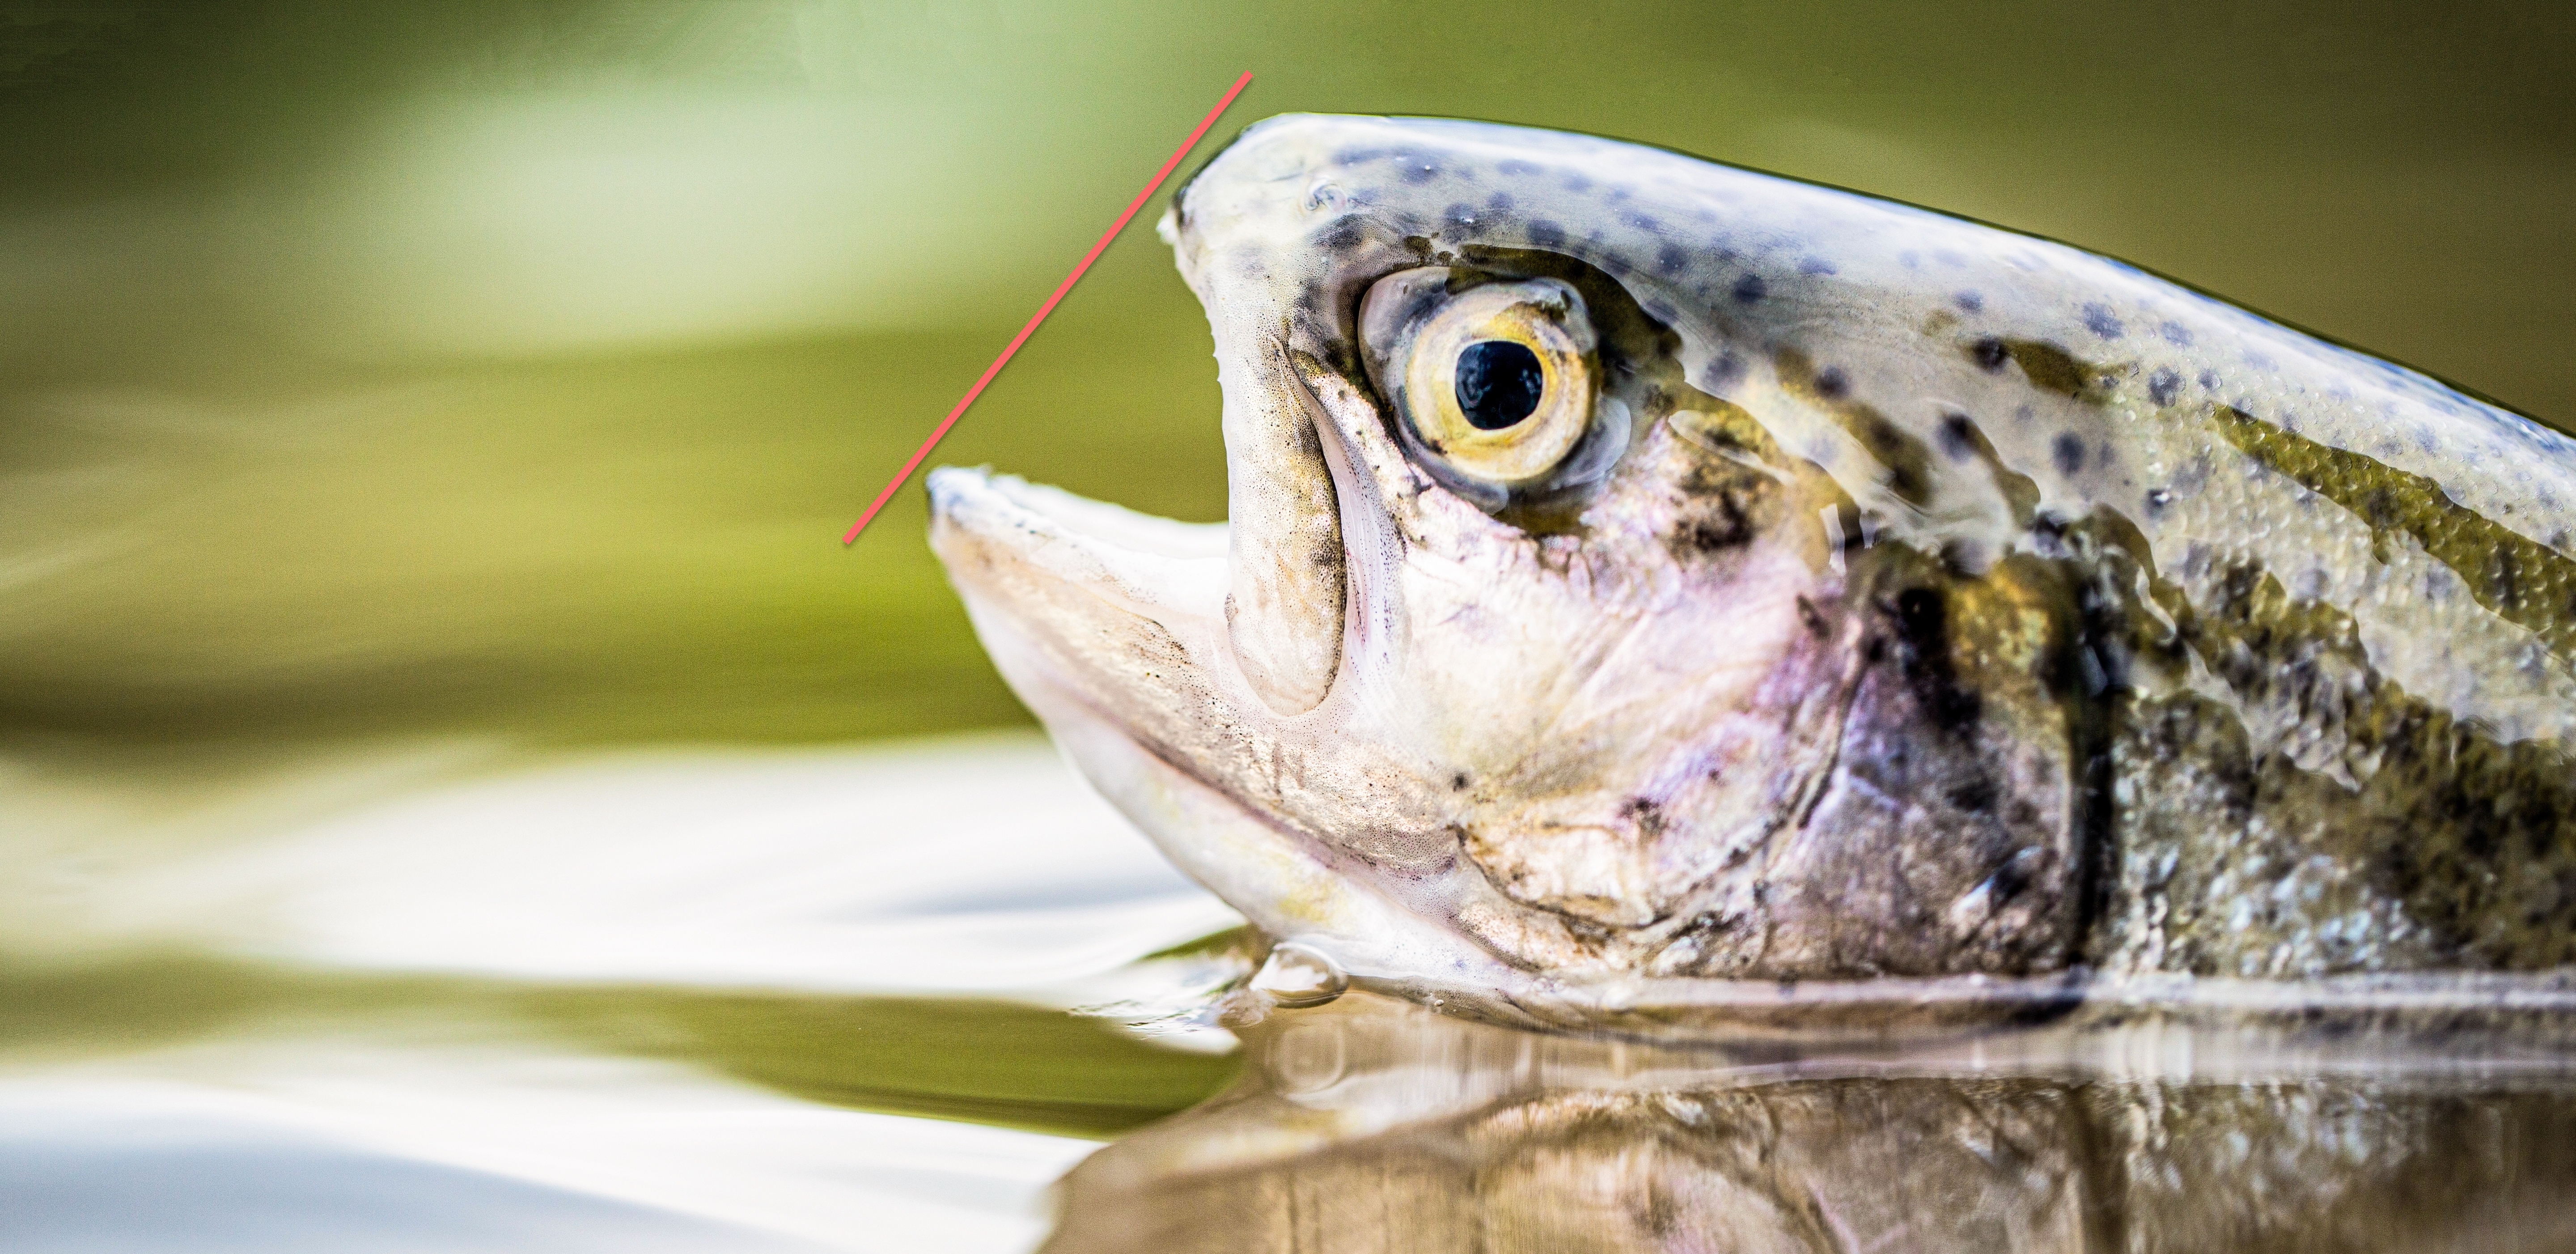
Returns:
<point x="1536" y="641"/>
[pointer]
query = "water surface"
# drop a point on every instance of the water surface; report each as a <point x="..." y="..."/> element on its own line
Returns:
<point x="809" y="1000"/>
<point x="1374" y="1125"/>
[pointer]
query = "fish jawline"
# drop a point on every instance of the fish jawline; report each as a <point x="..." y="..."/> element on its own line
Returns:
<point x="1011" y="547"/>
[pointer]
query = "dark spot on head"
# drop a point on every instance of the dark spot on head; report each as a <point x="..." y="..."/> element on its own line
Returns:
<point x="2175" y="333"/>
<point x="1967" y="555"/>
<point x="1577" y="183"/>
<point x="2055" y="369"/>
<point x="1976" y="796"/>
<point x="1648" y="816"/>
<point x="1816" y="265"/>
<point x="1832" y="384"/>
<point x="1725" y="370"/>
<point x="1459" y="215"/>
<point x="1970" y="301"/>
<point x="1923" y="628"/>
<point x="1751" y="288"/>
<point x="1989" y="354"/>
<point x="1670" y="259"/>
<point x="2163" y="385"/>
<point x="1958" y="437"/>
<point x="2102" y="322"/>
<point x="1640" y="222"/>
<point x="1908" y="459"/>
<point x="2068" y="452"/>
<point x="1499" y="202"/>
<point x="1417" y="170"/>
<point x="1725" y="526"/>
<point x="1458" y="782"/>
<point x="2208" y="380"/>
<point x="2010" y="878"/>
<point x="1546" y="234"/>
<point x="1345" y="233"/>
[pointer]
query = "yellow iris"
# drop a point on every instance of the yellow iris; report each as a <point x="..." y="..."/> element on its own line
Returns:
<point x="1524" y="421"/>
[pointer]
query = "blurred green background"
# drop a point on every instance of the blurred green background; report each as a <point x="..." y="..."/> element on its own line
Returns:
<point x="514" y="367"/>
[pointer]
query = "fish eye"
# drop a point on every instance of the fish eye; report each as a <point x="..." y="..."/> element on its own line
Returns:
<point x="1497" y="382"/>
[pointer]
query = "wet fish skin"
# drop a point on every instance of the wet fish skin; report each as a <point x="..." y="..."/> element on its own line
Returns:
<point x="1925" y="603"/>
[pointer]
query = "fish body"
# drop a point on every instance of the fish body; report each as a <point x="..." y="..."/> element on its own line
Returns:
<point x="1654" y="588"/>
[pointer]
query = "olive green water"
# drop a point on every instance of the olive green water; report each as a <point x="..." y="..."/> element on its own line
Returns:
<point x="1028" y="1068"/>
<point x="503" y="375"/>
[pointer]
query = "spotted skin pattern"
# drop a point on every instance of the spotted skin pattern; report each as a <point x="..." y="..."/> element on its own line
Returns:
<point x="1934" y="602"/>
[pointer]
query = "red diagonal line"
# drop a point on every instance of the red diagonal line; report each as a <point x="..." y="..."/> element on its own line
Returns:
<point x="1043" y="310"/>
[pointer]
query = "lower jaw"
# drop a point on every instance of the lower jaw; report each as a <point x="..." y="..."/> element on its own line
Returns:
<point x="1278" y="877"/>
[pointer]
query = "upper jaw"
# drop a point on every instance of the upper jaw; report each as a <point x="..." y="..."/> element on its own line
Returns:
<point x="1155" y="567"/>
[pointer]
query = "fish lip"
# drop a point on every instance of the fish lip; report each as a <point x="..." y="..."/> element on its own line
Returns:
<point x="1157" y="567"/>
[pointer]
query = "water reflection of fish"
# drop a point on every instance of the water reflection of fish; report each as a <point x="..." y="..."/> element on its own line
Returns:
<point x="1372" y="1126"/>
<point x="1650" y="584"/>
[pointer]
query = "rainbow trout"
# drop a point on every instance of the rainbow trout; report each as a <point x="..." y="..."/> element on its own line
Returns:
<point x="1658" y="591"/>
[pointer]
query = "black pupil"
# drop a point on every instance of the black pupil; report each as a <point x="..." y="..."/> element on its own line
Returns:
<point x="1499" y="383"/>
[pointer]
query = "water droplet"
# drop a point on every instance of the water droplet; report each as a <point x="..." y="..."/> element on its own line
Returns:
<point x="1299" y="975"/>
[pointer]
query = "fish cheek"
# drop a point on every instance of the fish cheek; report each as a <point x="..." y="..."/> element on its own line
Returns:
<point x="1718" y="496"/>
<point x="1950" y="839"/>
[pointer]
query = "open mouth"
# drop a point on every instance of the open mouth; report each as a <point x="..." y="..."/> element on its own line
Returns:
<point x="1112" y="626"/>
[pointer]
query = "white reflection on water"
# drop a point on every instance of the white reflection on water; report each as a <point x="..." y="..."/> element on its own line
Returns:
<point x="978" y="867"/>
<point x="321" y="1148"/>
